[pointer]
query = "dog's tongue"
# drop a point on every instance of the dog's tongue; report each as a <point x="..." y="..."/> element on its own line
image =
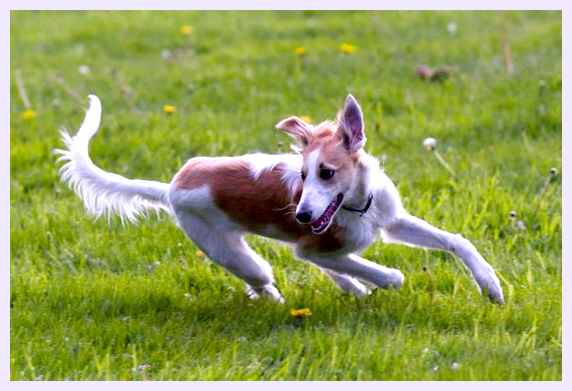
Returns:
<point x="325" y="218"/>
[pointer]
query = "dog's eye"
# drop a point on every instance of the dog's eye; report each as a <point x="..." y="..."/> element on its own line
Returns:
<point x="303" y="175"/>
<point x="326" y="173"/>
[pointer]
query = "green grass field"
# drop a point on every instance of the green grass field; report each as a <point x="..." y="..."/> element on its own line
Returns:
<point x="92" y="300"/>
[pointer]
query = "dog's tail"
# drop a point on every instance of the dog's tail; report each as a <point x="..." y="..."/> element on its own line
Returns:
<point x="105" y="193"/>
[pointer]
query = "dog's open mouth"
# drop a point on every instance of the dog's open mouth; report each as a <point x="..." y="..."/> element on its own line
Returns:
<point x="323" y="222"/>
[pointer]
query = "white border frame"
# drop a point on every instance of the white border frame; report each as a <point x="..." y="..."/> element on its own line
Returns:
<point x="7" y="5"/>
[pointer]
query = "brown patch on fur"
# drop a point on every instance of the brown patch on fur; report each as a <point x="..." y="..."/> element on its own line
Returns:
<point x="330" y="241"/>
<point x="195" y="173"/>
<point x="328" y="138"/>
<point x="256" y="204"/>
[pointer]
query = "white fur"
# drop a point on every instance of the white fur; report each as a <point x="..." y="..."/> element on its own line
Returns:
<point x="412" y="231"/>
<point x="292" y="163"/>
<point x="315" y="197"/>
<point x="104" y="193"/>
<point x="222" y="239"/>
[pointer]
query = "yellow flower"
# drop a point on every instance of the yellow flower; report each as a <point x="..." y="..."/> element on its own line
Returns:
<point x="300" y="51"/>
<point x="300" y="313"/>
<point x="200" y="254"/>
<point x="29" y="114"/>
<point x="169" y="109"/>
<point x="306" y="118"/>
<point x="186" y="30"/>
<point x="347" y="48"/>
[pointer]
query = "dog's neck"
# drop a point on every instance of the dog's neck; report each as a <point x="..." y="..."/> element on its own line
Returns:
<point x="367" y="183"/>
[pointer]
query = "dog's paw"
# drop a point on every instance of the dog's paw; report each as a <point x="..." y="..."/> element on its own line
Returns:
<point x="358" y="289"/>
<point x="251" y="293"/>
<point x="489" y="284"/>
<point x="483" y="273"/>
<point x="351" y="285"/>
<point x="397" y="279"/>
<point x="392" y="279"/>
<point x="270" y="291"/>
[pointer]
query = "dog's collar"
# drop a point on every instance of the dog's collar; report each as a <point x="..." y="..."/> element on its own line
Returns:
<point x="361" y="211"/>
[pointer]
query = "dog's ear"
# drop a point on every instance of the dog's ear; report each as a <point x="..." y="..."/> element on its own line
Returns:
<point x="352" y="125"/>
<point x="297" y="128"/>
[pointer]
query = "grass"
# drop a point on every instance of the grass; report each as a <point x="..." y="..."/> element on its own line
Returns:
<point x="91" y="300"/>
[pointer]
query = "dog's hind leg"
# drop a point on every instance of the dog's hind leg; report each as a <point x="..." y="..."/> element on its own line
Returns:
<point x="230" y="250"/>
<point x="347" y="283"/>
<point x="415" y="232"/>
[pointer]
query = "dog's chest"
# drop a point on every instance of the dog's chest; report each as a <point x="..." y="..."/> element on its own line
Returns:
<point x="346" y="235"/>
<point x="359" y="231"/>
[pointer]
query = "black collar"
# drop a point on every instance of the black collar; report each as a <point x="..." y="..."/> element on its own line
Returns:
<point x="361" y="211"/>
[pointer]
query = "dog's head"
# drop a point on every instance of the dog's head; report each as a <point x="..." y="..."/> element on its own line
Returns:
<point x="331" y="152"/>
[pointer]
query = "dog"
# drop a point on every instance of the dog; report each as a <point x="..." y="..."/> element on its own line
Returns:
<point x="330" y="200"/>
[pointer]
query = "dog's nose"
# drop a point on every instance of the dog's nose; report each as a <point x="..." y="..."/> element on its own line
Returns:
<point x="304" y="217"/>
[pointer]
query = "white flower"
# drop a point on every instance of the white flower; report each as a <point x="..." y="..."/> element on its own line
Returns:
<point x="455" y="366"/>
<point x="166" y="54"/>
<point x="430" y="143"/>
<point x="84" y="69"/>
<point x="141" y="368"/>
<point x="452" y="27"/>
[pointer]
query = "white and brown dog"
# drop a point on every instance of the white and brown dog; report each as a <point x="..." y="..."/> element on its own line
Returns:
<point x="330" y="201"/>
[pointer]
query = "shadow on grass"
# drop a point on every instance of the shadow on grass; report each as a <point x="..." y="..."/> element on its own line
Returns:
<point x="229" y="312"/>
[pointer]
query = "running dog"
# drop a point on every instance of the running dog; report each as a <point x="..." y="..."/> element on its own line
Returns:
<point x="329" y="200"/>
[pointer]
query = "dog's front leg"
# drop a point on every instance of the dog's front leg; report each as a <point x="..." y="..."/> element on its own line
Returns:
<point x="347" y="283"/>
<point x="358" y="267"/>
<point x="415" y="232"/>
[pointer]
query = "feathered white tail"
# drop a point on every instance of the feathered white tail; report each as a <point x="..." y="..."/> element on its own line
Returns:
<point x="104" y="193"/>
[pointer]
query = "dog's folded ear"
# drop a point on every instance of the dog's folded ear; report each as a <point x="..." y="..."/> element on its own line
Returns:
<point x="297" y="128"/>
<point x="352" y="125"/>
